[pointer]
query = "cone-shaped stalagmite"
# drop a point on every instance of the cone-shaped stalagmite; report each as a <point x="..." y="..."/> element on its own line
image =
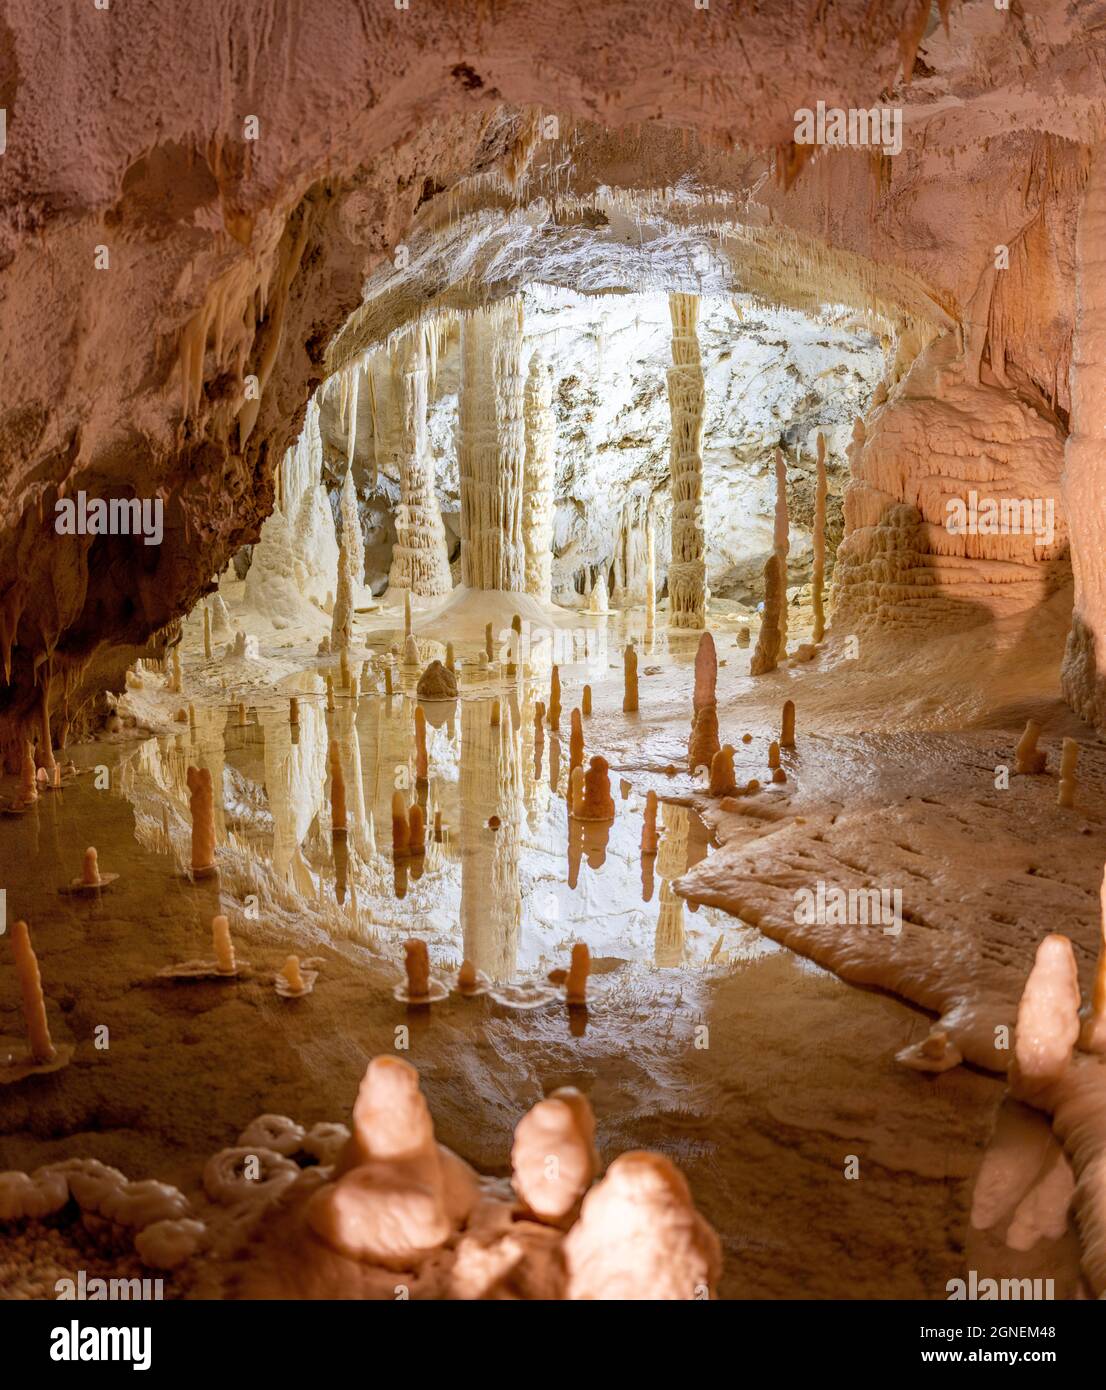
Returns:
<point x="492" y="448"/>
<point x="629" y="676"/>
<point x="818" y="574"/>
<point x="420" y="562"/>
<point x="687" y="567"/>
<point x="768" y="642"/>
<point x="537" y="491"/>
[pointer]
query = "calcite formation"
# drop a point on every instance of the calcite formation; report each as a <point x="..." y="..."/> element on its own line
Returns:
<point x="687" y="567"/>
<point x="538" y="477"/>
<point x="492" y="449"/>
<point x="420" y="563"/>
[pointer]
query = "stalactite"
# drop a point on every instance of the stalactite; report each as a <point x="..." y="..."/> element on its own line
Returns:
<point x="687" y="569"/>
<point x="351" y="424"/>
<point x="492" y="448"/>
<point x="420" y="561"/>
<point x="537" y="490"/>
<point x="818" y="575"/>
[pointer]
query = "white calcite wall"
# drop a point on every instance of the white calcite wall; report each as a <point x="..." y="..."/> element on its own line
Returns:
<point x="772" y="374"/>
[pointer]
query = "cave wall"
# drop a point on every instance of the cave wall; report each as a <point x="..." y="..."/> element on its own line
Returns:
<point x="231" y="257"/>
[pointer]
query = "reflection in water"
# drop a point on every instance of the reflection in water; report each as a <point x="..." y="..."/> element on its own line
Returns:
<point x="491" y="786"/>
<point x="509" y="880"/>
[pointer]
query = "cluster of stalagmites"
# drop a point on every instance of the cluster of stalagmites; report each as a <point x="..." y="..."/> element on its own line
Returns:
<point x="352" y="1214"/>
<point x="398" y="1200"/>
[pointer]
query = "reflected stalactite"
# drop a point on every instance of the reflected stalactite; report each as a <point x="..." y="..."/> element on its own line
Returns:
<point x="490" y="786"/>
<point x="671" y="859"/>
<point x="295" y="779"/>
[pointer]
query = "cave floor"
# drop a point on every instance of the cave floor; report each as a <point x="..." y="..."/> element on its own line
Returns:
<point x="829" y="1169"/>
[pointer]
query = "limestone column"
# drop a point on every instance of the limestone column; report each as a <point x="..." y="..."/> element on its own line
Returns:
<point x="492" y="449"/>
<point x="537" y="486"/>
<point x="420" y="561"/>
<point x="1083" y="674"/>
<point x="687" y="569"/>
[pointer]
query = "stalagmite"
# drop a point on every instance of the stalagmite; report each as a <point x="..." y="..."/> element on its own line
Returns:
<point x="341" y="627"/>
<point x="576" y="742"/>
<point x="90" y="870"/>
<point x="450" y="660"/>
<point x="416" y="962"/>
<point x="649" y="824"/>
<point x="28" y="786"/>
<point x="1028" y="757"/>
<point x="46" y="748"/>
<point x="629" y="679"/>
<point x="411" y="656"/>
<point x="1068" y="759"/>
<point x="401" y="833"/>
<point x="242" y="719"/>
<point x="787" y="725"/>
<point x="706" y="675"/>
<point x="561" y="1126"/>
<point x="492" y="448"/>
<point x="640" y="1237"/>
<point x="420" y="560"/>
<point x="722" y="780"/>
<point x="576" y="986"/>
<point x="687" y="568"/>
<point x="291" y="973"/>
<point x="225" y="962"/>
<point x="704" y="741"/>
<point x="293" y="712"/>
<point x="489" y="643"/>
<point x="596" y="800"/>
<point x="202" y="806"/>
<point x="555" y="698"/>
<point x="388" y="679"/>
<point x="337" y="791"/>
<point x="576" y="789"/>
<point x="513" y="650"/>
<point x="537" y="488"/>
<point x="407" y="615"/>
<point x="781" y="545"/>
<point x="599" y="601"/>
<point x="1048" y="1021"/>
<point x="773" y="754"/>
<point x="818" y="570"/>
<point x="437" y="682"/>
<point x="352" y="548"/>
<point x="329" y="692"/>
<point x="765" y="657"/>
<point x="30" y="994"/>
<point x="207" y="633"/>
<point x="421" y="765"/>
<point x="585" y="701"/>
<point x="650" y="573"/>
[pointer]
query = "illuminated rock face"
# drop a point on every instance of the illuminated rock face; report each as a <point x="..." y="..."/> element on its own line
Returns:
<point x="492" y="449"/>
<point x="419" y="560"/>
<point x="954" y="511"/>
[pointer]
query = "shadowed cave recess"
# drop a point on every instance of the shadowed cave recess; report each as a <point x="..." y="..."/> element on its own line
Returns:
<point x="551" y="577"/>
